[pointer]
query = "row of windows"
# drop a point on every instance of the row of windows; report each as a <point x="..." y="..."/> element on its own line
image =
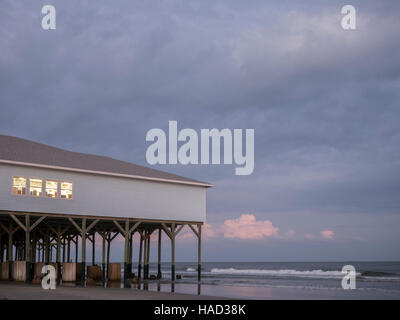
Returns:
<point x="37" y="186"/>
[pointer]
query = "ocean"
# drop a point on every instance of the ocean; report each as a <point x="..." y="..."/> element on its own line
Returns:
<point x="281" y="280"/>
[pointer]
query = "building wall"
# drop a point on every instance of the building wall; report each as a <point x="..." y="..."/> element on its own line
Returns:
<point x="99" y="195"/>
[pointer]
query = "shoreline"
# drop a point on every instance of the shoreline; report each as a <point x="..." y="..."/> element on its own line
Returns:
<point x="23" y="291"/>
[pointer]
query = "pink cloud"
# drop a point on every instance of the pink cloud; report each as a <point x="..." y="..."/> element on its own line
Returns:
<point x="327" y="234"/>
<point x="247" y="227"/>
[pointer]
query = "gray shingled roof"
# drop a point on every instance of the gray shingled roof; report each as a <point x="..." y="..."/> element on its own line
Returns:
<point x="21" y="150"/>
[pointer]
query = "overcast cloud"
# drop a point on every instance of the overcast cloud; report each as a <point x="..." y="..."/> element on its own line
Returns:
<point x="324" y="104"/>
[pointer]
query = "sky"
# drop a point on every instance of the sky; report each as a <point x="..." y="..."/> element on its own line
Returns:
<point x="324" y="104"/>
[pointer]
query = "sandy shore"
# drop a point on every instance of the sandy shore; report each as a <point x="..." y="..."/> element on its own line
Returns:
<point x="22" y="291"/>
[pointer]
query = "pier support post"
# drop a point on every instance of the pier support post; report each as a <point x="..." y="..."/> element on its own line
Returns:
<point x="159" y="275"/>
<point x="30" y="246"/>
<point x="6" y="245"/>
<point x="103" y="256"/>
<point x="10" y="252"/>
<point x="83" y="231"/>
<point x="148" y="255"/>
<point x="76" y="248"/>
<point x="26" y="254"/>
<point x="130" y="253"/>
<point x="108" y="248"/>
<point x="198" y="234"/>
<point x="69" y="249"/>
<point x="34" y="249"/>
<point x="27" y="249"/>
<point x="94" y="248"/>
<point x="83" y="253"/>
<point x="172" y="235"/>
<point x="127" y="234"/>
<point x="199" y="254"/>
<point x="58" y="255"/>
<point x="126" y="272"/>
<point x="43" y="253"/>
<point x="46" y="248"/>
<point x="63" y="246"/>
<point x="140" y="256"/>
<point x="145" y="252"/>
<point x="10" y="231"/>
<point x="173" y="252"/>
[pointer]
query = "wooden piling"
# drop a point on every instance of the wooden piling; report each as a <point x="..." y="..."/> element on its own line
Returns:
<point x="103" y="256"/>
<point x="58" y="258"/>
<point x="33" y="249"/>
<point x="140" y="256"/>
<point x="83" y="253"/>
<point x="145" y="255"/>
<point x="10" y="252"/>
<point x="76" y="248"/>
<point x="173" y="252"/>
<point x="199" y="254"/>
<point x="198" y="234"/>
<point x="93" y="248"/>
<point x="126" y="234"/>
<point x="28" y="278"/>
<point x="130" y="253"/>
<point x="43" y="253"/>
<point x="69" y="249"/>
<point x="46" y="248"/>
<point x="148" y="255"/>
<point x="159" y="275"/>
<point x="108" y="248"/>
<point x="64" y="249"/>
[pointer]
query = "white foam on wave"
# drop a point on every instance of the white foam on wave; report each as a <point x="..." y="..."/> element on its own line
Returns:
<point x="281" y="272"/>
<point x="190" y="269"/>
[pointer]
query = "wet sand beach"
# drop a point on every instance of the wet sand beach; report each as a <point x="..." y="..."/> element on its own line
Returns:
<point x="22" y="291"/>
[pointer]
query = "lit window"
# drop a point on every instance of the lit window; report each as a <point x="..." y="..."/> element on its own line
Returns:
<point x="19" y="185"/>
<point x="66" y="190"/>
<point x="51" y="188"/>
<point x="36" y="187"/>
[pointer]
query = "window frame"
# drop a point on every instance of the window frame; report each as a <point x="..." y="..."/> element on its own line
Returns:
<point x="41" y="196"/>
<point x="43" y="191"/>
<point x="26" y="185"/>
<point x="57" y="190"/>
<point x="72" y="191"/>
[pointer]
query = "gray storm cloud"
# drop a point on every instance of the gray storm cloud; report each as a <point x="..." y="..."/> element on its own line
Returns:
<point x="324" y="102"/>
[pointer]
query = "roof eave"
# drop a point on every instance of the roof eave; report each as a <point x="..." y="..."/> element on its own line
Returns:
<point x="105" y="173"/>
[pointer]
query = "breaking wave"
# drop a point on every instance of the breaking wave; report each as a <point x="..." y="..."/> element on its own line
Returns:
<point x="281" y="272"/>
